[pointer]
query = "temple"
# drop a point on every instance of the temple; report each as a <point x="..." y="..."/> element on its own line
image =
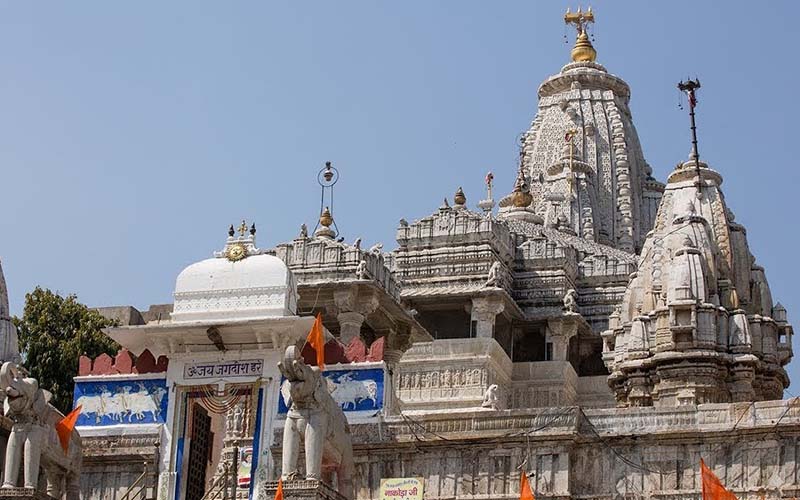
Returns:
<point x="595" y="329"/>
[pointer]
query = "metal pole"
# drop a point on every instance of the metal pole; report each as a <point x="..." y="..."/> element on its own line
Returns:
<point x="690" y="86"/>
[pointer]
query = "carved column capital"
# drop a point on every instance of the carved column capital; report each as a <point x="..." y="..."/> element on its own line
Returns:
<point x="349" y="325"/>
<point x="484" y="312"/>
<point x="489" y="306"/>
<point x="352" y="299"/>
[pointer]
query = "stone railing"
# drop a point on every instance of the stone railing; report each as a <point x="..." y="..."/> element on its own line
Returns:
<point x="448" y="225"/>
<point x="721" y="417"/>
<point x="319" y="260"/>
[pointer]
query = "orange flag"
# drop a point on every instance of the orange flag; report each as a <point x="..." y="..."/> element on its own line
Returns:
<point x="279" y="491"/>
<point x="316" y="337"/>
<point x="712" y="487"/>
<point x="525" y="492"/>
<point x="65" y="426"/>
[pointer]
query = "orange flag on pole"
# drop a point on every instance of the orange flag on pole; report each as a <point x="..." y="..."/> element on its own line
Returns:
<point x="65" y="426"/>
<point x="525" y="492"/>
<point x="712" y="487"/>
<point x="279" y="491"/>
<point x="316" y="338"/>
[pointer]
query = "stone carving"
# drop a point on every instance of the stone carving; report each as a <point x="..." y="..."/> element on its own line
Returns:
<point x="33" y="443"/>
<point x="361" y="270"/>
<point x="303" y="231"/>
<point x="571" y="301"/>
<point x="494" y="275"/>
<point x="376" y="249"/>
<point x="318" y="421"/>
<point x="491" y="397"/>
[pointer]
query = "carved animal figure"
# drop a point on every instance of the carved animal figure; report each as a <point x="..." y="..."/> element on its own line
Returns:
<point x="318" y="421"/>
<point x="493" y="279"/>
<point x="361" y="270"/>
<point x="571" y="301"/>
<point x="33" y="442"/>
<point x="491" y="397"/>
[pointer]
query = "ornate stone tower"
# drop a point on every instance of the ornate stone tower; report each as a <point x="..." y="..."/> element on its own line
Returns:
<point x="697" y="323"/>
<point x="582" y="155"/>
<point x="9" y="345"/>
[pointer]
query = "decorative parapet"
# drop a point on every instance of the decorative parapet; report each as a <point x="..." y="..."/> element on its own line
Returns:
<point x="448" y="225"/>
<point x="354" y="352"/>
<point x="323" y="260"/>
<point x="123" y="363"/>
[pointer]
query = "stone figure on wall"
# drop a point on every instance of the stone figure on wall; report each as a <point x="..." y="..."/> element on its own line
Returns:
<point x="361" y="270"/>
<point x="238" y="421"/>
<point x="571" y="301"/>
<point x="315" y="419"/>
<point x="491" y="397"/>
<point x="494" y="275"/>
<point x="33" y="443"/>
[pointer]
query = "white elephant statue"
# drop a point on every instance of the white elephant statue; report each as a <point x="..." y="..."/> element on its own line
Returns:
<point x="33" y="444"/>
<point x="318" y="421"/>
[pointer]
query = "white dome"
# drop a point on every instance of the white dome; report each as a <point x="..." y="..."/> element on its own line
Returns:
<point x="258" y="286"/>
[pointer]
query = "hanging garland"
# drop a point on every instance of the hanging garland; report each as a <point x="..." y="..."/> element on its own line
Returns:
<point x="221" y="402"/>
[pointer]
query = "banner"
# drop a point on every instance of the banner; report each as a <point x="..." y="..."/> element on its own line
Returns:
<point x="405" y="488"/>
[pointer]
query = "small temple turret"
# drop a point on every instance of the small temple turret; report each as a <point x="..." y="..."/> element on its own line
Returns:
<point x="697" y="323"/>
<point x="9" y="345"/>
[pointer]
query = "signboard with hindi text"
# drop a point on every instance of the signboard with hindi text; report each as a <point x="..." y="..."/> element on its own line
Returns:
<point x="405" y="488"/>
<point x="224" y="369"/>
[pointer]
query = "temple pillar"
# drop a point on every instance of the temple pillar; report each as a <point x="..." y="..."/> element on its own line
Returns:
<point x="353" y="307"/>
<point x="484" y="313"/>
<point x="398" y="342"/>
<point x="560" y="330"/>
<point x="349" y="325"/>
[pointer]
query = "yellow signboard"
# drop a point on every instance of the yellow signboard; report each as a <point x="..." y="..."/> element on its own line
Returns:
<point x="401" y="488"/>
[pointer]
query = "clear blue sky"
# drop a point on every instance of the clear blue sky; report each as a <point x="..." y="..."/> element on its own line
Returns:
<point x="132" y="134"/>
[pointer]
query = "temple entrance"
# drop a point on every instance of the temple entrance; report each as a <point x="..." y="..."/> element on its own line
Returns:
<point x="218" y="446"/>
<point x="199" y="453"/>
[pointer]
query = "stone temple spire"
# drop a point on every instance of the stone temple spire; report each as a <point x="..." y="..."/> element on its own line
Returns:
<point x="9" y="344"/>
<point x="586" y="99"/>
<point x="697" y="323"/>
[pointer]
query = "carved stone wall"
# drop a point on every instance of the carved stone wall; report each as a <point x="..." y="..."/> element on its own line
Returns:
<point x="452" y="373"/>
<point x="111" y="464"/>
<point x="587" y="454"/>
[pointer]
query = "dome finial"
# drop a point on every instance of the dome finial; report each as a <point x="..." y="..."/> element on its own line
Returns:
<point x="325" y="218"/>
<point x="583" y="49"/>
<point x="460" y="199"/>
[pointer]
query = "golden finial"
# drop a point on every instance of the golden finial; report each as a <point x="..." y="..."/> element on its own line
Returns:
<point x="460" y="198"/>
<point x="326" y="219"/>
<point x="583" y="50"/>
<point x="243" y="228"/>
<point x="521" y="196"/>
